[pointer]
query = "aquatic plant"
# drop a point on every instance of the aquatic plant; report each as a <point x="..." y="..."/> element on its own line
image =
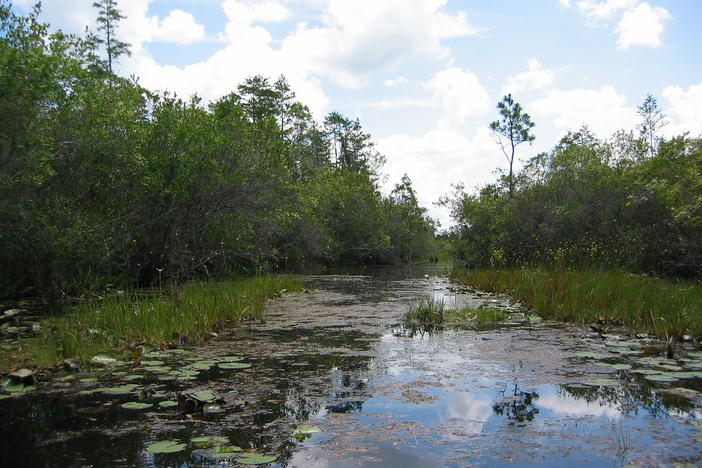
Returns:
<point x="644" y="304"/>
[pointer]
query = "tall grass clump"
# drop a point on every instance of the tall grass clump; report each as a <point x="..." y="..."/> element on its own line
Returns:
<point x="185" y="316"/>
<point x="427" y="310"/>
<point x="642" y="303"/>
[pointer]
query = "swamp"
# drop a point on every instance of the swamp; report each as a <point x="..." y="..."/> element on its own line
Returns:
<point x="337" y="376"/>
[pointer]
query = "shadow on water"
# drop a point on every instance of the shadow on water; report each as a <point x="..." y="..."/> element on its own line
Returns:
<point x="380" y="394"/>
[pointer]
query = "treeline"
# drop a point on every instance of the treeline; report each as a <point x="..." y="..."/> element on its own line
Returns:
<point x="630" y="201"/>
<point x="103" y="181"/>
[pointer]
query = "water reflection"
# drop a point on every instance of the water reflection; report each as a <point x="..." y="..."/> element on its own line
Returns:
<point x="518" y="405"/>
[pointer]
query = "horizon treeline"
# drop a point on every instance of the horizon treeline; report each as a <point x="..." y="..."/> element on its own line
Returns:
<point x="103" y="182"/>
<point x="631" y="202"/>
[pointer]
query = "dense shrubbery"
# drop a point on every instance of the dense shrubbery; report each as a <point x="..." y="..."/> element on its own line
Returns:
<point x="628" y="202"/>
<point x="103" y="181"/>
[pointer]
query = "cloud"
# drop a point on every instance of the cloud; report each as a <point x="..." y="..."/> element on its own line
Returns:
<point x="395" y="82"/>
<point x="437" y="159"/>
<point x="684" y="109"/>
<point x="249" y="12"/>
<point x="362" y="36"/>
<point x="604" y="110"/>
<point x="535" y="78"/>
<point x="564" y="3"/>
<point x="640" y="23"/>
<point x="573" y="407"/>
<point x="179" y="27"/>
<point x="459" y="94"/>
<point x="643" y="25"/>
<point x="606" y="9"/>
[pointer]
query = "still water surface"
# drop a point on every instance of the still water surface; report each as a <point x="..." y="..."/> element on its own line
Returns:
<point x="382" y="393"/>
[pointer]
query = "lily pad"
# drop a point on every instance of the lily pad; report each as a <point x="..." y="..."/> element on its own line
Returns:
<point x="592" y="355"/>
<point x="255" y="459"/>
<point x="208" y="441"/>
<point x="178" y="351"/>
<point x="11" y="312"/>
<point x="136" y="405"/>
<point x="233" y="365"/>
<point x="601" y="382"/>
<point x="306" y="430"/>
<point x="225" y="451"/>
<point x="121" y="390"/>
<point x="661" y="378"/>
<point x="231" y="358"/>
<point x="168" y="404"/>
<point x="88" y="380"/>
<point x="152" y="363"/>
<point x="22" y="374"/>
<point x="103" y="359"/>
<point x="624" y="344"/>
<point x="65" y="378"/>
<point x="165" y="446"/>
<point x="157" y="369"/>
<point x="646" y="371"/>
<point x="698" y="437"/>
<point x="203" y="396"/>
<point x="694" y="365"/>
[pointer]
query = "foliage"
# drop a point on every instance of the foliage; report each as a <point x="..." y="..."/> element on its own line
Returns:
<point x="104" y="183"/>
<point x="591" y="203"/>
<point x="644" y="304"/>
<point x="511" y="130"/>
<point x="187" y="315"/>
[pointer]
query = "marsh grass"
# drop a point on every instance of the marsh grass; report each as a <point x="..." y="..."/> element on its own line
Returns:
<point x="644" y="304"/>
<point x="185" y="316"/>
<point x="431" y="311"/>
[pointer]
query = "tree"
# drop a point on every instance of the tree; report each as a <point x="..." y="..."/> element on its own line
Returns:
<point x="511" y="130"/>
<point x="652" y="120"/>
<point x="108" y="17"/>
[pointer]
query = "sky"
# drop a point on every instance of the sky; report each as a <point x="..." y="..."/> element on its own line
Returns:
<point x="424" y="76"/>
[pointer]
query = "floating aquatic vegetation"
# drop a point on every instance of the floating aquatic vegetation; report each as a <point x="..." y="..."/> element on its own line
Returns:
<point x="233" y="365"/>
<point x="225" y="451"/>
<point x="208" y="441"/>
<point x="152" y="363"/>
<point x="103" y="359"/>
<point x="168" y="404"/>
<point x="601" y="382"/>
<point x="255" y="459"/>
<point x="662" y="377"/>
<point x="593" y="355"/>
<point x="165" y="446"/>
<point x="303" y="432"/>
<point x="136" y="405"/>
<point x="203" y="396"/>
<point x="231" y="358"/>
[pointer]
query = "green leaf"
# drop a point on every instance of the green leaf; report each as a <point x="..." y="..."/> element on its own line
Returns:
<point x="165" y="446"/>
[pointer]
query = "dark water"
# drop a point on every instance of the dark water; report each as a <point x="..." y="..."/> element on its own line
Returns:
<point x="383" y="393"/>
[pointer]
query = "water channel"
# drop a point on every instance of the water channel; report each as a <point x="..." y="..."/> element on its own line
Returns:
<point x="373" y="390"/>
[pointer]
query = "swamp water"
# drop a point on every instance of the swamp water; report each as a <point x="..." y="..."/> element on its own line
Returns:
<point x="334" y="378"/>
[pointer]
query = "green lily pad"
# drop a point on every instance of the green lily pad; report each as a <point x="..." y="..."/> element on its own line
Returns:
<point x="133" y="377"/>
<point x="698" y="437"/>
<point x="670" y="367"/>
<point x="225" y="451"/>
<point x="208" y="441"/>
<point x="168" y="404"/>
<point x="22" y="374"/>
<point x="18" y="388"/>
<point x="2" y="397"/>
<point x="255" y="459"/>
<point x="694" y="365"/>
<point x="306" y="430"/>
<point x="613" y="366"/>
<point x="231" y="358"/>
<point x="121" y="390"/>
<point x="233" y="365"/>
<point x="624" y="344"/>
<point x="136" y="405"/>
<point x="695" y="354"/>
<point x="601" y="382"/>
<point x="65" y="378"/>
<point x="203" y="396"/>
<point x="11" y="312"/>
<point x="626" y="352"/>
<point x="165" y="446"/>
<point x="178" y="351"/>
<point x="157" y="369"/>
<point x="88" y="380"/>
<point x="147" y="348"/>
<point x="663" y="377"/>
<point x="103" y="359"/>
<point x="202" y="365"/>
<point x="152" y="363"/>
<point x="646" y="371"/>
<point x="592" y="355"/>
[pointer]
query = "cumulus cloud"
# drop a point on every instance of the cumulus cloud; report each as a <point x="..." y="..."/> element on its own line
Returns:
<point x="640" y="23"/>
<point x="606" y="9"/>
<point x="249" y="12"/>
<point x="179" y="27"/>
<point x="396" y="81"/>
<point x="358" y="37"/>
<point x="537" y="77"/>
<point x="604" y="110"/>
<point x="459" y="94"/>
<point x="439" y="158"/>
<point x="643" y="25"/>
<point x="684" y="109"/>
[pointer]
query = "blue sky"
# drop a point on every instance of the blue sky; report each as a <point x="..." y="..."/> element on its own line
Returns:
<point x="424" y="76"/>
